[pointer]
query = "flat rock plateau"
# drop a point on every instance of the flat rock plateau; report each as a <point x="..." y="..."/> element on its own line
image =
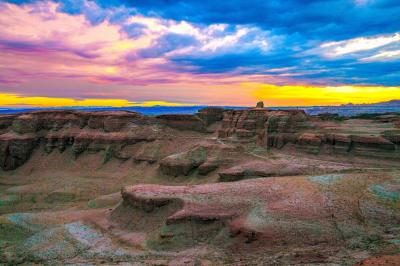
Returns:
<point x="220" y="187"/>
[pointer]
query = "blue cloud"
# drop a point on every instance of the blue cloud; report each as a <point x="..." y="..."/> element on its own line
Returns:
<point x="94" y="13"/>
<point x="134" y="30"/>
<point x="167" y="43"/>
<point x="330" y="19"/>
<point x="301" y="24"/>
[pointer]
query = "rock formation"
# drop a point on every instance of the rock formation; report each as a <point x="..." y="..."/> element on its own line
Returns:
<point x="113" y="133"/>
<point x="260" y="105"/>
<point x="220" y="187"/>
<point x="265" y="212"/>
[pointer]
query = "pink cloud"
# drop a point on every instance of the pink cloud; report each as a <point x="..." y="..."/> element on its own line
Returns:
<point x="39" y="45"/>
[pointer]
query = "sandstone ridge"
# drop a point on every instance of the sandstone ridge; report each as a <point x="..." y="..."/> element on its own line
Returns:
<point x="115" y="132"/>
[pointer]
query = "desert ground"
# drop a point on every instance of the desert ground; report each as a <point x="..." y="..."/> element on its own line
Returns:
<point x="220" y="187"/>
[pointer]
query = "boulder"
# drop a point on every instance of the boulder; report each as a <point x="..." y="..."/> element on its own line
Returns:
<point x="175" y="165"/>
<point x="183" y="163"/>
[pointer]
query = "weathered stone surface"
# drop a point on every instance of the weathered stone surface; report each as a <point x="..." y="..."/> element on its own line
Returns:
<point x="176" y="165"/>
<point x="183" y="163"/>
<point x="210" y="114"/>
<point x="111" y="131"/>
<point x="82" y="131"/>
<point x="261" y="169"/>
<point x="25" y="124"/>
<point x="204" y="156"/>
<point x="257" y="124"/>
<point x="15" y="151"/>
<point x="209" y="166"/>
<point x="310" y="139"/>
<point x="264" y="212"/>
<point x="183" y="122"/>
<point x="388" y="260"/>
<point x="113" y="121"/>
<point x="260" y="105"/>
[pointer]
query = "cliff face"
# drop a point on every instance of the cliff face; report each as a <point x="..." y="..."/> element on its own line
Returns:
<point x="277" y="129"/>
<point x="80" y="131"/>
<point x="259" y="124"/>
<point x="114" y="132"/>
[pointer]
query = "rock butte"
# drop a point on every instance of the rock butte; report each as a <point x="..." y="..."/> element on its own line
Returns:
<point x="224" y="187"/>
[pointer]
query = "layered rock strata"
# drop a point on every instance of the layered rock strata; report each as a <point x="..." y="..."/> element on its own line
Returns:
<point x="113" y="132"/>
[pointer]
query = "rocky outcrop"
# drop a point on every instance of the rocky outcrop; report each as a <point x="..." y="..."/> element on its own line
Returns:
<point x="270" y="168"/>
<point x="107" y="132"/>
<point x="258" y="124"/>
<point x="113" y="132"/>
<point x="265" y="212"/>
<point x="211" y="115"/>
<point x="260" y="105"/>
<point x="15" y="151"/>
<point x="206" y="157"/>
<point x="276" y="129"/>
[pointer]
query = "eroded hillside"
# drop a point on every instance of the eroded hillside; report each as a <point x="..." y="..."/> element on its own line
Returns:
<point x="221" y="187"/>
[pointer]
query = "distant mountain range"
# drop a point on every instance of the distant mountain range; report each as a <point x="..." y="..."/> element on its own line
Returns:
<point x="350" y="109"/>
<point x="388" y="103"/>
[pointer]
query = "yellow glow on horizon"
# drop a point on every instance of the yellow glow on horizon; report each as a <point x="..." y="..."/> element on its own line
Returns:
<point x="297" y="95"/>
<point x="13" y="100"/>
<point x="272" y="95"/>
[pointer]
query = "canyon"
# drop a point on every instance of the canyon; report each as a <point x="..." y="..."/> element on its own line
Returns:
<point x="220" y="187"/>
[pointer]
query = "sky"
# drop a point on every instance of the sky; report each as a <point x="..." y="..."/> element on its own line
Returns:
<point x="198" y="52"/>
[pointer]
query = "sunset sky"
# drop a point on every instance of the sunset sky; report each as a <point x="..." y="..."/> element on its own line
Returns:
<point x="198" y="52"/>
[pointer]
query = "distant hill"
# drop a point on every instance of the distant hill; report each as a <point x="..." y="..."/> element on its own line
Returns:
<point x="388" y="103"/>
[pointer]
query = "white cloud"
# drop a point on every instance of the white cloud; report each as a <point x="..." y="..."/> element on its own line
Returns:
<point x="383" y="56"/>
<point x="341" y="48"/>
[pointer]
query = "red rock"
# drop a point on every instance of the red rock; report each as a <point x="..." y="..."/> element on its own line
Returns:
<point x="205" y="156"/>
<point x="393" y="260"/>
<point x="260" y="169"/>
<point x="209" y="166"/>
<point x="112" y="130"/>
<point x="203" y="212"/>
<point x="257" y="124"/>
